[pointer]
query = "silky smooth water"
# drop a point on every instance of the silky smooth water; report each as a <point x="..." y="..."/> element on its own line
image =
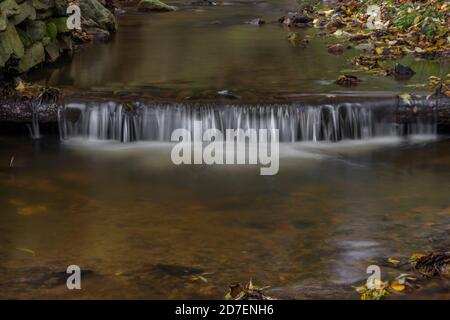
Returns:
<point x="142" y="227"/>
<point x="351" y="191"/>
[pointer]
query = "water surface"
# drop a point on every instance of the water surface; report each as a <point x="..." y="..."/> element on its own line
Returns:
<point x="196" y="51"/>
<point x="142" y="227"/>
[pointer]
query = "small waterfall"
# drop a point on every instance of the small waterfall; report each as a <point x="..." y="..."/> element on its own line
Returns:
<point x="295" y="122"/>
<point x="34" y="127"/>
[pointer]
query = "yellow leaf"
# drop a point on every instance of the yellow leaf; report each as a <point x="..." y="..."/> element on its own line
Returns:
<point x="20" y="87"/>
<point x="397" y="286"/>
<point x="416" y="256"/>
<point x="405" y="97"/>
<point x="440" y="42"/>
<point x="379" y="51"/>
<point x="393" y="261"/>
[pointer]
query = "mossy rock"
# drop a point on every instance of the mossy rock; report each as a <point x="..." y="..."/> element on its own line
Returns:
<point x="27" y="11"/>
<point x="53" y="50"/>
<point x="10" y="45"/>
<point x="154" y="5"/>
<point x="93" y="10"/>
<point x="60" y="8"/>
<point x="32" y="57"/>
<point x="9" y="7"/>
<point x="3" y="21"/>
<point x="52" y="30"/>
<point x="24" y="37"/>
<point x="46" y="41"/>
<point x="36" y="29"/>
<point x="43" y="4"/>
<point x="66" y="42"/>
<point x="60" y="23"/>
<point x="44" y="14"/>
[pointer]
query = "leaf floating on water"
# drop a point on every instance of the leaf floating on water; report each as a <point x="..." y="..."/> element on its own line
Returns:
<point x="397" y="286"/>
<point x="393" y="261"/>
<point x="196" y="277"/>
<point x="31" y="210"/>
<point x="26" y="250"/>
<point x="247" y="292"/>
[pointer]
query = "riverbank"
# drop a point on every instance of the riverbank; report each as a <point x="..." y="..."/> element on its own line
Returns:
<point x="33" y="33"/>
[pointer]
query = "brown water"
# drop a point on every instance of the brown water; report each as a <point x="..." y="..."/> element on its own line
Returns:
<point x="195" y="52"/>
<point x="142" y="227"/>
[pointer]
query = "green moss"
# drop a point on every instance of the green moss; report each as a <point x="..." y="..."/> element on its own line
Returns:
<point x="60" y="23"/>
<point x="24" y="38"/>
<point x="52" y="30"/>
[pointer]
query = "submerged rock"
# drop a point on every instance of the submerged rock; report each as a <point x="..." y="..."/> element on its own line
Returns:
<point x="99" y="34"/>
<point x="365" y="46"/>
<point x="203" y="3"/>
<point x="336" y="48"/>
<point x="154" y="5"/>
<point x="256" y="22"/>
<point x="400" y="70"/>
<point x="347" y="80"/>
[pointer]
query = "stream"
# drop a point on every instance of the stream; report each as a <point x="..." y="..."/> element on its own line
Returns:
<point x="353" y="188"/>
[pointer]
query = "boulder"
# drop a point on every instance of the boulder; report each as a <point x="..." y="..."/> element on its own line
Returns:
<point x="24" y="37"/>
<point x="60" y="24"/>
<point x="3" y="21"/>
<point x="60" y="8"/>
<point x="65" y="41"/>
<point x="32" y="57"/>
<point x="9" y="7"/>
<point x="365" y="46"/>
<point x="99" y="35"/>
<point x="44" y="14"/>
<point x="94" y="11"/>
<point x="53" y="50"/>
<point x="154" y="5"/>
<point x="43" y="4"/>
<point x="36" y="30"/>
<point x="10" y="45"/>
<point x="27" y="11"/>
<point x="51" y="30"/>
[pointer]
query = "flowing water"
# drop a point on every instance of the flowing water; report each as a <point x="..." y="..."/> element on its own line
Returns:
<point x="353" y="188"/>
<point x="197" y="51"/>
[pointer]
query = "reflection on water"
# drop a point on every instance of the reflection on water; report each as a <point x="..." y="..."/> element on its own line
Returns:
<point x="195" y="52"/>
<point x="144" y="228"/>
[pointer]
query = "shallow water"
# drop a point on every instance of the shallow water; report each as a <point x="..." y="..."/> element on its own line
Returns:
<point x="142" y="227"/>
<point x="195" y="52"/>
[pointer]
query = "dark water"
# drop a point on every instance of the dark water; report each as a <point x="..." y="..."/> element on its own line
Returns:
<point x="195" y="52"/>
<point x="142" y="227"/>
